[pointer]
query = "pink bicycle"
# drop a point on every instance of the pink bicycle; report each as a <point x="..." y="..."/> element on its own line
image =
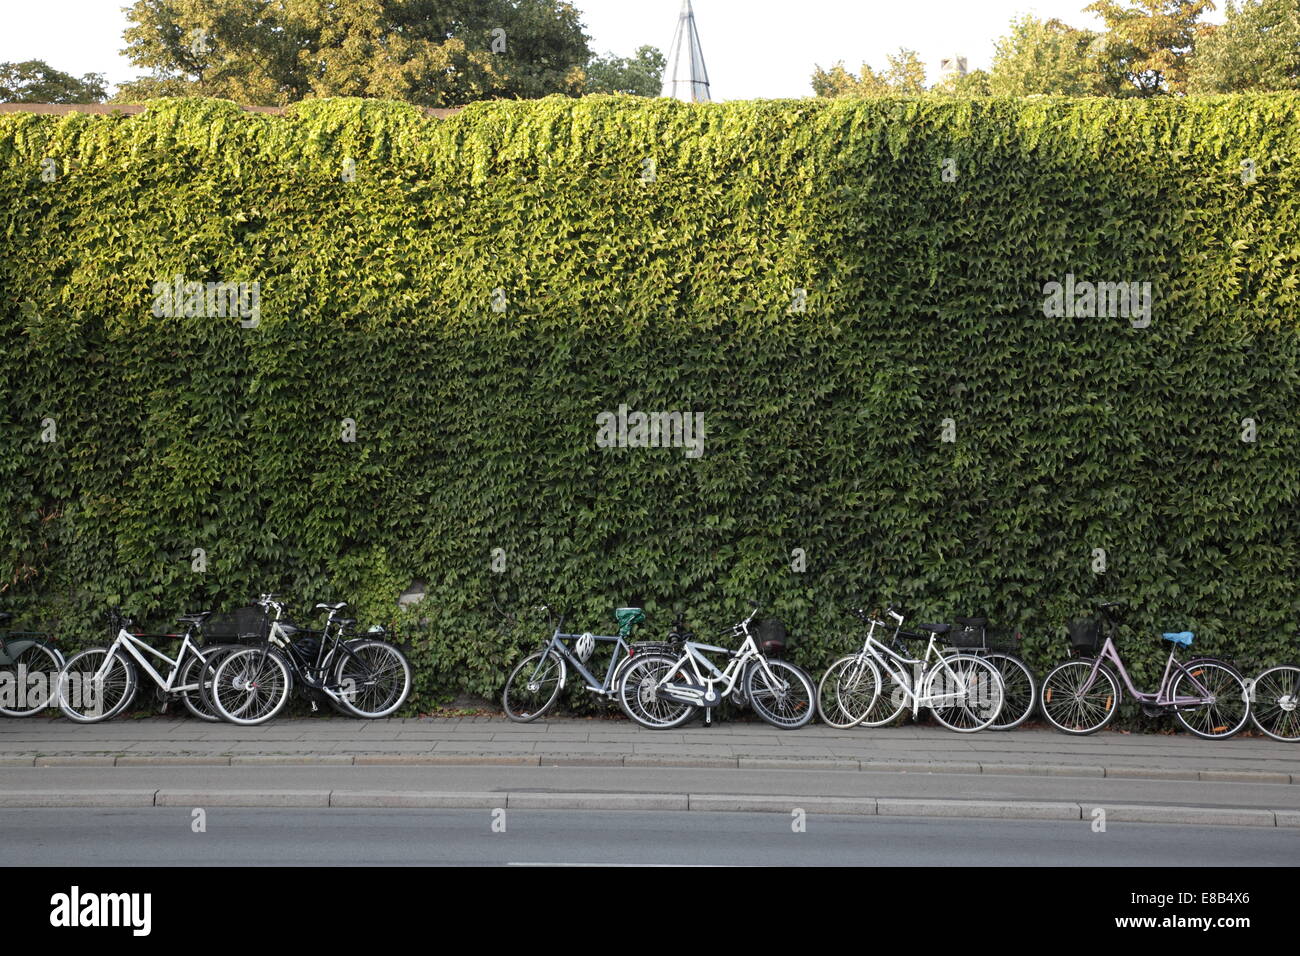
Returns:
<point x="1081" y="696"/>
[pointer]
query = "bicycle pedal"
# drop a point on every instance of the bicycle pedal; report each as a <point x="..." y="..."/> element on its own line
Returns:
<point x="314" y="707"/>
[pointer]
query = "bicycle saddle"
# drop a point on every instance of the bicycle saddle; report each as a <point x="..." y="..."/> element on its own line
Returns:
<point x="971" y="621"/>
<point x="196" y="618"/>
<point x="935" y="628"/>
<point x="1182" y="638"/>
<point x="332" y="607"/>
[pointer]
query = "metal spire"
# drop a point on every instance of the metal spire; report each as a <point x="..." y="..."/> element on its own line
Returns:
<point x="686" y="78"/>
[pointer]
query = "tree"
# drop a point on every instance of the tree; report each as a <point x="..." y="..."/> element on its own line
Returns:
<point x="640" y="74"/>
<point x="1257" y="48"/>
<point x="35" y="81"/>
<point x="904" y="76"/>
<point x="1045" y="56"/>
<point x="430" y="52"/>
<point x="1147" y="46"/>
<point x="974" y="83"/>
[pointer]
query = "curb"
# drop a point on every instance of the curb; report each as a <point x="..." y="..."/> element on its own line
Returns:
<point x="559" y="759"/>
<point x="657" y="802"/>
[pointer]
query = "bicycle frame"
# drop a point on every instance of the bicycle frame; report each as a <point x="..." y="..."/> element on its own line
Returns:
<point x="568" y="657"/>
<point x="892" y="661"/>
<point x="1161" y="698"/>
<point x="313" y="675"/>
<point x="740" y="659"/>
<point x="134" y="646"/>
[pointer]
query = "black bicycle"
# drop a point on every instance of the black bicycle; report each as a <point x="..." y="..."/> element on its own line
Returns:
<point x="972" y="635"/>
<point x="363" y="676"/>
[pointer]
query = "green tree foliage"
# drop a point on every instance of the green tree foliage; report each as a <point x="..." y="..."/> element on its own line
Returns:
<point x="1045" y="56"/>
<point x="824" y="425"/>
<point x="35" y="81"/>
<point x="903" y="76"/>
<point x="428" y="52"/>
<point x="639" y="75"/>
<point x="1147" y="44"/>
<point x="1257" y="48"/>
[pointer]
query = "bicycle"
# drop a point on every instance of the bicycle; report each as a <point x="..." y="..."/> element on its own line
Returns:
<point x="972" y="635"/>
<point x="360" y="677"/>
<point x="99" y="682"/>
<point x="1275" y="702"/>
<point x="964" y="692"/>
<point x="535" y="683"/>
<point x="29" y="667"/>
<point x="1208" y="696"/>
<point x="660" y="692"/>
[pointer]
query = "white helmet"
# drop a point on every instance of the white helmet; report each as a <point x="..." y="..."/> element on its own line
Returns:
<point x="586" y="644"/>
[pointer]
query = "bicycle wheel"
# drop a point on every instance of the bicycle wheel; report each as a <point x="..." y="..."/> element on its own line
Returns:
<point x="209" y="670"/>
<point x="1231" y="708"/>
<point x="639" y="699"/>
<point x="191" y="677"/>
<point x="964" y="692"/>
<point x="28" y="680"/>
<point x="86" y="695"/>
<point x="533" y="686"/>
<point x="1073" y="710"/>
<point x="848" y="691"/>
<point x="1275" y="702"/>
<point x="786" y="699"/>
<point x="375" y="677"/>
<point x="890" y="705"/>
<point x="250" y="686"/>
<point x="1021" y="691"/>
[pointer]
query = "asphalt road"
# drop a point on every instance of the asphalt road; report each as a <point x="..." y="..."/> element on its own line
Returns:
<point x="238" y="836"/>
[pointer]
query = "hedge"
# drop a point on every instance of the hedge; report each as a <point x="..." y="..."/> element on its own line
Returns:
<point x="851" y="294"/>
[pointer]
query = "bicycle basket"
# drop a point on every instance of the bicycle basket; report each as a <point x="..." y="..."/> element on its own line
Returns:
<point x="771" y="637"/>
<point x="965" y="637"/>
<point x="1085" y="635"/>
<point x="242" y="626"/>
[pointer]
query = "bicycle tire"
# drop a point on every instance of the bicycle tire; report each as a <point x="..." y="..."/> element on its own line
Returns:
<point x="1277" y="689"/>
<point x="262" y="667"/>
<point x="1061" y="705"/>
<point x="195" y="700"/>
<point x="841" y="690"/>
<point x="387" y="698"/>
<point x="119" y="685"/>
<point x="1220" y="720"/>
<point x="781" y="706"/>
<point x="1021" y="690"/>
<point x="37" y="657"/>
<point x="980" y="687"/>
<point x="552" y="680"/>
<point x="639" y="680"/>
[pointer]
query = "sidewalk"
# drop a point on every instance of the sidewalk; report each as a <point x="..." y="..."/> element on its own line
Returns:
<point x="326" y="741"/>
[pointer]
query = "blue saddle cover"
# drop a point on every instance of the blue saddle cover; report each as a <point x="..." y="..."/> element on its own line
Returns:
<point x="1182" y="638"/>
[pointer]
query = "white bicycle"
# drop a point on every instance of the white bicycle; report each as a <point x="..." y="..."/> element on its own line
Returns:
<point x="964" y="692"/>
<point x="100" y="682"/>
<point x="660" y="691"/>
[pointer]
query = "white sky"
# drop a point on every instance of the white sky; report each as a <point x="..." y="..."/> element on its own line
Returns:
<point x="753" y="48"/>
